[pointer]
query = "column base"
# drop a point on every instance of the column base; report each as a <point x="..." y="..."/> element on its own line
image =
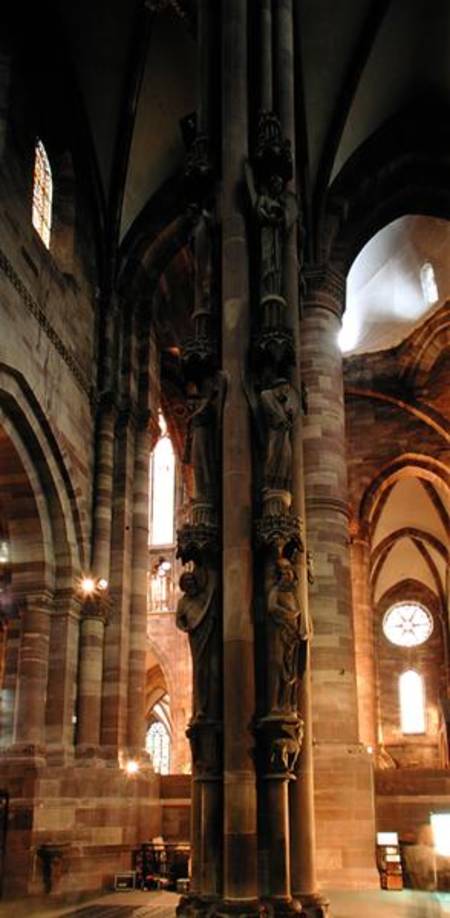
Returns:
<point x="282" y="907"/>
<point x="88" y="754"/>
<point x="238" y="908"/>
<point x="345" y="816"/>
<point x="30" y="753"/>
<point x="313" y="905"/>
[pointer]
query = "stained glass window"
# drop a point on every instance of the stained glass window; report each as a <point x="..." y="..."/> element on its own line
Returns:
<point x="157" y="744"/>
<point x="412" y="702"/>
<point x="407" y="624"/>
<point x="42" y="194"/>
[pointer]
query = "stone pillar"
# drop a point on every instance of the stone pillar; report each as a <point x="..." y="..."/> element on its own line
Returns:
<point x="32" y="674"/>
<point x="266" y="56"/>
<point x="115" y="670"/>
<point x="240" y="828"/>
<point x="139" y="580"/>
<point x="90" y="674"/>
<point x="104" y="483"/>
<point x="363" y="627"/>
<point x="63" y="666"/>
<point x="341" y="859"/>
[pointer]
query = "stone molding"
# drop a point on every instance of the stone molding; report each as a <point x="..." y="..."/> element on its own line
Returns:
<point x="35" y="310"/>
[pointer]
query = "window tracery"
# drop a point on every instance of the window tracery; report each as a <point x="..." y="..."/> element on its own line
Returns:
<point x="407" y="624"/>
<point x="157" y="744"/>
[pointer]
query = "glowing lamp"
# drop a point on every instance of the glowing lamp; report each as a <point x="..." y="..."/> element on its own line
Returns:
<point x="88" y="585"/>
<point x="132" y="767"/>
<point x="102" y="584"/>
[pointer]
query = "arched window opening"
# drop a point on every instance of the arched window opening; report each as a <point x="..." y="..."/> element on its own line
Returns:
<point x="157" y="744"/>
<point x="429" y="285"/>
<point x="407" y="624"/>
<point x="162" y="485"/>
<point x="42" y="194"/>
<point x="162" y="547"/>
<point x="412" y="702"/>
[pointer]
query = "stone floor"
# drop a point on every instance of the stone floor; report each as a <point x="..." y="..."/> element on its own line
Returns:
<point x="369" y="904"/>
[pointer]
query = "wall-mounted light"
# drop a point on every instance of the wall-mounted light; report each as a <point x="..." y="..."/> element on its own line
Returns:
<point x="91" y="585"/>
<point x="88" y="586"/>
<point x="132" y="767"/>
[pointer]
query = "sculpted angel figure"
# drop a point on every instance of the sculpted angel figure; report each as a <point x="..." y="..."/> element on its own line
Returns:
<point x="276" y="211"/>
<point x="196" y="615"/>
<point x="286" y="630"/>
<point x="205" y="404"/>
<point x="279" y="404"/>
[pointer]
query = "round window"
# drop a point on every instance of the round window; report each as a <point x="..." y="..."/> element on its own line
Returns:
<point x="407" y="624"/>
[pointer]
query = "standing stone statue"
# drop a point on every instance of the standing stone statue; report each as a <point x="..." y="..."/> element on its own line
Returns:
<point x="197" y="616"/>
<point x="280" y="406"/>
<point x="285" y="632"/>
<point x="276" y="211"/>
<point x="205" y="401"/>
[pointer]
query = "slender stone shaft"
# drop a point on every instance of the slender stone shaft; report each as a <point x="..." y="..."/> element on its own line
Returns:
<point x="90" y="674"/>
<point x="138" y="618"/>
<point x="62" y="675"/>
<point x="302" y="829"/>
<point x="29" y="721"/>
<point x="266" y="56"/>
<point x="101" y="554"/>
<point x="114" y="701"/>
<point x="203" y="66"/>
<point x="196" y="837"/>
<point x="364" y="639"/>
<point x="239" y="689"/>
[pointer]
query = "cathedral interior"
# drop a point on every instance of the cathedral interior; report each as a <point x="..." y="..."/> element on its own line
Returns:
<point x="225" y="447"/>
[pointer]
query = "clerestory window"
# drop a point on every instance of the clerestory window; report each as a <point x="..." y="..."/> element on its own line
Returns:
<point x="42" y="194"/>
<point x="412" y="702"/>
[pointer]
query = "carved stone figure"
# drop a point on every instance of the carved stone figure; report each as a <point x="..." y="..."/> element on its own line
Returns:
<point x="196" y="615"/>
<point x="276" y="211"/>
<point x="285" y="632"/>
<point x="280" y="406"/>
<point x="205" y="404"/>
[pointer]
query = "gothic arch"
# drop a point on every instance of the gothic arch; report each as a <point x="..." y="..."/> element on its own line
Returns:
<point x="410" y="464"/>
<point x="404" y="168"/>
<point x="25" y="423"/>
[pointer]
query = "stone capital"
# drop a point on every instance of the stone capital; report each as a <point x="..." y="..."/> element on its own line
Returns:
<point x="325" y="288"/>
<point x="96" y="607"/>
